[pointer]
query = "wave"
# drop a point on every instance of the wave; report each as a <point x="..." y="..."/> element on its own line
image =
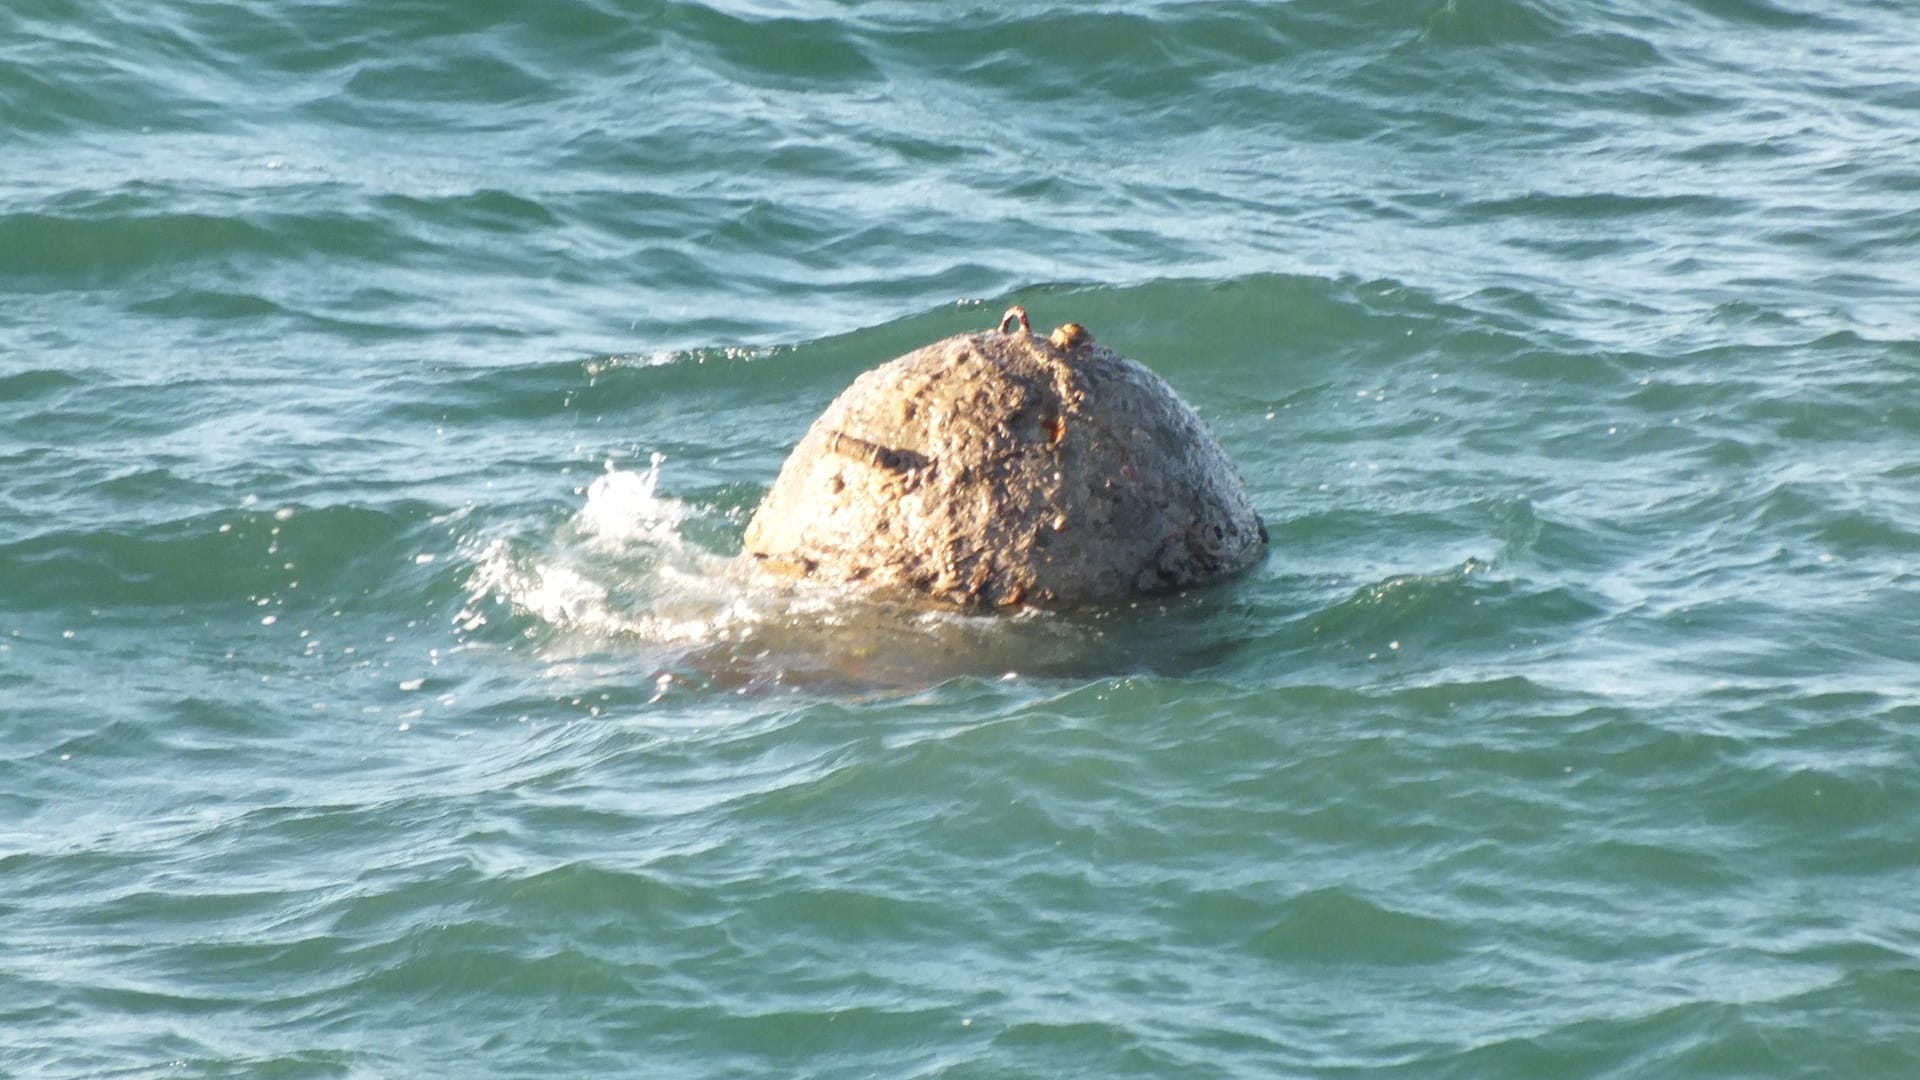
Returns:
<point x="269" y="558"/>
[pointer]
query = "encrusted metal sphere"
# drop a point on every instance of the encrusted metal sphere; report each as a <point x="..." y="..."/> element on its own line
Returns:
<point x="1003" y="468"/>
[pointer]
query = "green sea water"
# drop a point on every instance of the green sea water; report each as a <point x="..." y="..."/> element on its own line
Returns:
<point x="384" y="388"/>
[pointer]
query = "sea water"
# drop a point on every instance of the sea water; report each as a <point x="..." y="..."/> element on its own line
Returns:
<point x="384" y="389"/>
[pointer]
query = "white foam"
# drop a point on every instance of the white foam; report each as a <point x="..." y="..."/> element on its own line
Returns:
<point x="620" y="569"/>
<point x="626" y="506"/>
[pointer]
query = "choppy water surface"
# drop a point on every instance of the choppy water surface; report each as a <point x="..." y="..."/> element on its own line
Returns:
<point x="384" y="389"/>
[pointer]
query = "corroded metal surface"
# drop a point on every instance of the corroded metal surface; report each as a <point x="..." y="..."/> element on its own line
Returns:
<point x="1004" y="468"/>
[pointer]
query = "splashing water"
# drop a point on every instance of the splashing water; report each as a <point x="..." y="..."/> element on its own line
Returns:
<point x="625" y="507"/>
<point x="620" y="570"/>
<point x="623" y="577"/>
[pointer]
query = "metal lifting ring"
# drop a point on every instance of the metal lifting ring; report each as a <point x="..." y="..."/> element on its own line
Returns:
<point x="1015" y="319"/>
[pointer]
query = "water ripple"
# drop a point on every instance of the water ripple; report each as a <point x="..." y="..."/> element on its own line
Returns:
<point x="383" y="393"/>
